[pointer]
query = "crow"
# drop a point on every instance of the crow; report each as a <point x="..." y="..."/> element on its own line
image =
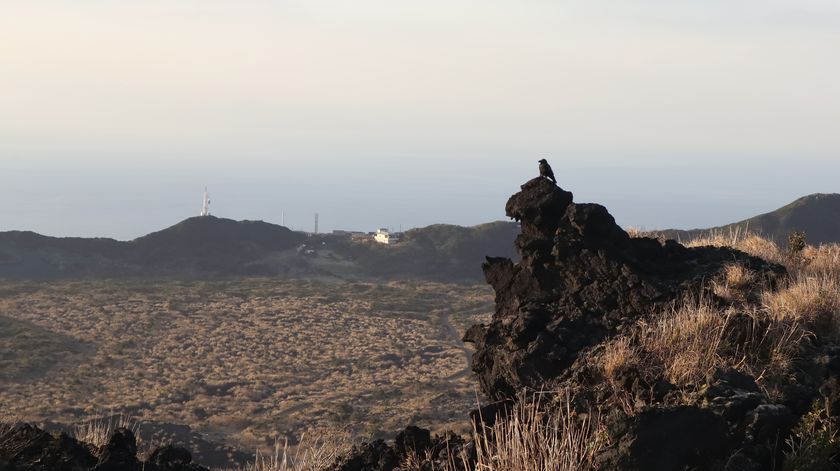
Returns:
<point x="545" y="171"/>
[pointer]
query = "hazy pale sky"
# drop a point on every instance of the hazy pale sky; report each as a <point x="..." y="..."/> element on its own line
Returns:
<point x="114" y="115"/>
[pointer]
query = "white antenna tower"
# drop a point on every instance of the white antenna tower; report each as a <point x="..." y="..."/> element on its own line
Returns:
<point x="205" y="207"/>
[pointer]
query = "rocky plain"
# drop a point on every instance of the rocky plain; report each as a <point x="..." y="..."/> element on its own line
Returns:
<point x="605" y="351"/>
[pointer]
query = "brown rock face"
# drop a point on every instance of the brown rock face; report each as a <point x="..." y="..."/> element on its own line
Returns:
<point x="581" y="280"/>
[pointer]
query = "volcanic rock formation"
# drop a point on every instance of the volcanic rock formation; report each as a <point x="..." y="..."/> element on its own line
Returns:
<point x="581" y="280"/>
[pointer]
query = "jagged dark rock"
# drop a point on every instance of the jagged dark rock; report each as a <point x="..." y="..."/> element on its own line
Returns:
<point x="581" y="280"/>
<point x="667" y="439"/>
<point x="426" y="452"/>
<point x="169" y="456"/>
<point x="28" y="448"/>
<point x="120" y="453"/>
<point x="373" y="456"/>
<point x="412" y="440"/>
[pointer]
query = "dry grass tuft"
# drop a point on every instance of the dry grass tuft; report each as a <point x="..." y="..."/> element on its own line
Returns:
<point x="822" y="261"/>
<point x="736" y="284"/>
<point x="98" y="432"/>
<point x="315" y="452"/>
<point x="618" y="355"/>
<point x="685" y="341"/>
<point x="7" y="425"/>
<point x="533" y="440"/>
<point x="813" y="301"/>
<point x="685" y="344"/>
<point x="745" y="242"/>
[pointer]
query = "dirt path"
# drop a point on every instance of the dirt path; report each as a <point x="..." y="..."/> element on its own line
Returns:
<point x="452" y="332"/>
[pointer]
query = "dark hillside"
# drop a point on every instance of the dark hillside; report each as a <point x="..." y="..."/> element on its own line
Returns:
<point x="210" y="246"/>
<point x="31" y="255"/>
<point x="438" y="252"/>
<point x="818" y="215"/>
<point x="211" y="243"/>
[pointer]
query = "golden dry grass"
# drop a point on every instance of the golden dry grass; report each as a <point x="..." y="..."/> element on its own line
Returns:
<point x="617" y="355"/>
<point x="813" y="300"/>
<point x="314" y="452"/>
<point x="752" y="244"/>
<point x="97" y="432"/>
<point x="531" y="440"/>
<point x="736" y="284"/>
<point x="687" y="342"/>
<point x="823" y="260"/>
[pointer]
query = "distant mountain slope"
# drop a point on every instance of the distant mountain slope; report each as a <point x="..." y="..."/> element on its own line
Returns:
<point x="31" y="255"/>
<point x="440" y="251"/>
<point x="210" y="246"/>
<point x="818" y="215"/>
<point x="196" y="246"/>
<point x="211" y="243"/>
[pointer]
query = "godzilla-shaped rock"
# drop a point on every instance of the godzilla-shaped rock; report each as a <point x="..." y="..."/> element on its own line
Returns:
<point x="581" y="280"/>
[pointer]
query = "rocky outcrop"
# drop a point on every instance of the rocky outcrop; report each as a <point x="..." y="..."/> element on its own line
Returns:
<point x="28" y="448"/>
<point x="581" y="280"/>
<point x="413" y="445"/>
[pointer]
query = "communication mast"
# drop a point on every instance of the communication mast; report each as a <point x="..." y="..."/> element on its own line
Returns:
<point x="316" y="223"/>
<point x="205" y="206"/>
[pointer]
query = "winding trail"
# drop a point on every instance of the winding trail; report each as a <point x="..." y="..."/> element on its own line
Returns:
<point x="452" y="332"/>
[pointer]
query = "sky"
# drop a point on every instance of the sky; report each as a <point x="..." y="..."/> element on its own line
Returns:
<point x="114" y="116"/>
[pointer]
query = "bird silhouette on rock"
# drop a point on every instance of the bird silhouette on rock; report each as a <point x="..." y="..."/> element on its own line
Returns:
<point x="545" y="171"/>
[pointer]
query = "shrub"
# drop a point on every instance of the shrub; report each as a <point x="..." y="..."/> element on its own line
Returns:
<point x="796" y="243"/>
<point x="814" y="445"/>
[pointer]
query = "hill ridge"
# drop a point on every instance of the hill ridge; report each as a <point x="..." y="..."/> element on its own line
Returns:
<point x="816" y="214"/>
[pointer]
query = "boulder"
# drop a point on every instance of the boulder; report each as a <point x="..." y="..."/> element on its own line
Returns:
<point x="120" y="453"/>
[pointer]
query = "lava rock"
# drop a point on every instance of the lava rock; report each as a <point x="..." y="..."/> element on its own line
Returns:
<point x="667" y="439"/>
<point x="171" y="458"/>
<point x="120" y="453"/>
<point x="373" y="456"/>
<point x="26" y="447"/>
<point x="412" y="440"/>
<point x="580" y="281"/>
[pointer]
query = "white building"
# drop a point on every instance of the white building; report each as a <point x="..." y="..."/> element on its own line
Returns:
<point x="384" y="236"/>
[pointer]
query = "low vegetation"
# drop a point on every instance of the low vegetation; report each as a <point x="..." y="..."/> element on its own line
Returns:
<point x="245" y="361"/>
<point x="814" y="443"/>
<point x="314" y="452"/>
<point x="98" y="431"/>
<point x="529" y="439"/>
<point x="762" y="339"/>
